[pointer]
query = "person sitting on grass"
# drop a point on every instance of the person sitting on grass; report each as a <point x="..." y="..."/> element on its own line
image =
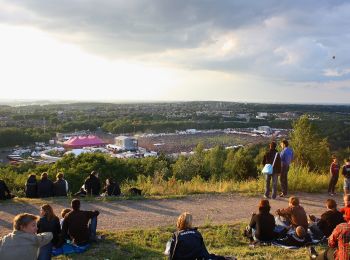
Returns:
<point x="299" y="238"/>
<point x="295" y="214"/>
<point x="187" y="242"/>
<point x="5" y="193"/>
<point x="31" y="188"/>
<point x="60" y="186"/>
<point x="48" y="222"/>
<point x="346" y="174"/>
<point x="45" y="186"/>
<point x="76" y="225"/>
<point x="111" y="188"/>
<point x="92" y="184"/>
<point x="346" y="210"/>
<point x="338" y="245"/>
<point x="64" y="212"/>
<point x="23" y="242"/>
<point x="262" y="225"/>
<point x="328" y="221"/>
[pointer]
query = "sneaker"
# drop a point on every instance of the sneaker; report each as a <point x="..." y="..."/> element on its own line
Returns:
<point x="282" y="195"/>
<point x="266" y="197"/>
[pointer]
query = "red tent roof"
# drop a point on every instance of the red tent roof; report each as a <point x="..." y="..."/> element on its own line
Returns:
<point x="81" y="141"/>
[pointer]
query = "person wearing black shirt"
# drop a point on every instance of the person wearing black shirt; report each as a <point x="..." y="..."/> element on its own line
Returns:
<point x="272" y="157"/>
<point x="60" y="186"/>
<point x="31" y="187"/>
<point x="80" y="225"/>
<point x="112" y="188"/>
<point x="329" y="220"/>
<point x="45" y="186"/>
<point x="92" y="184"/>
<point x="262" y="225"/>
<point x="4" y="191"/>
<point x="48" y="222"/>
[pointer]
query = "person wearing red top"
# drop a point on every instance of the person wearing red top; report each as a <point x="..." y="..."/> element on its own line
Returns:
<point x="334" y="172"/>
<point x="346" y="210"/>
<point x="338" y="244"/>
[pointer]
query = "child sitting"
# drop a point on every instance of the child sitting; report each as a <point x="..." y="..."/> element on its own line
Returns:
<point x="346" y="210"/>
<point x="64" y="212"/>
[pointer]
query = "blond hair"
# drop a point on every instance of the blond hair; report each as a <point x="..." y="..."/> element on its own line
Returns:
<point x="22" y="220"/>
<point x="184" y="221"/>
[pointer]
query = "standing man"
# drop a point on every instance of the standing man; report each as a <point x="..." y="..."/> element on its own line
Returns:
<point x="286" y="160"/>
<point x="346" y="174"/>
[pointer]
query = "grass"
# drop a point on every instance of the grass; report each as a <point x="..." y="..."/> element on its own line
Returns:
<point x="149" y="244"/>
<point x="300" y="180"/>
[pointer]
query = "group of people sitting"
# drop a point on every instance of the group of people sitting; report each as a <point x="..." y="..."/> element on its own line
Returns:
<point x="35" y="237"/>
<point x="44" y="187"/>
<point x="291" y="228"/>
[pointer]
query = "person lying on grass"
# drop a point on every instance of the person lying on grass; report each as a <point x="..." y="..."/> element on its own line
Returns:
<point x="299" y="238"/>
<point x="295" y="214"/>
<point x="262" y="225"/>
<point x="23" y="242"/>
<point x="328" y="221"/>
<point x="187" y="242"/>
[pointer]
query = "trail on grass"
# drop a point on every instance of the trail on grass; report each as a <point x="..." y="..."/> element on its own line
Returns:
<point x="150" y="213"/>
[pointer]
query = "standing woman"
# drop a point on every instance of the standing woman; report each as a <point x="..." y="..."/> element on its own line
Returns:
<point x="31" y="187"/>
<point x="272" y="157"/>
<point x="48" y="222"/>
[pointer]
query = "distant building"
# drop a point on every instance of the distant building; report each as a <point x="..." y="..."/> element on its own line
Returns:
<point x="243" y="116"/>
<point x="191" y="131"/>
<point x="262" y="114"/>
<point x="264" y="130"/>
<point x="126" y="143"/>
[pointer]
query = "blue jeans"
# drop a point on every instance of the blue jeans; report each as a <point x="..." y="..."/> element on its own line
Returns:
<point x="45" y="252"/>
<point x="274" y="178"/>
<point x="92" y="228"/>
<point x="284" y="179"/>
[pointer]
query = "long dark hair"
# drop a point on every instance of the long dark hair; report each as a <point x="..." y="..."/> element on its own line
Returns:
<point x="49" y="214"/>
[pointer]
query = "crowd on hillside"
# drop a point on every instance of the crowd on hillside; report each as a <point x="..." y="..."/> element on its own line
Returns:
<point x="41" y="237"/>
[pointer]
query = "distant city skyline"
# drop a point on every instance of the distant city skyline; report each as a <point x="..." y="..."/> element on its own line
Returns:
<point x="161" y="50"/>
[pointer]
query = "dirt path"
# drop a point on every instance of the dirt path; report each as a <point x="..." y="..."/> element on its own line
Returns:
<point x="130" y="214"/>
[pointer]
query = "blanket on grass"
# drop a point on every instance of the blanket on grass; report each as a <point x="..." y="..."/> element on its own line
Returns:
<point x="67" y="249"/>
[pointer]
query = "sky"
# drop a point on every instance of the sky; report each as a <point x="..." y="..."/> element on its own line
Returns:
<point x="273" y="51"/>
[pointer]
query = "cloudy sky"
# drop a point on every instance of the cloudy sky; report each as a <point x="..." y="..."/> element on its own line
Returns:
<point x="234" y="50"/>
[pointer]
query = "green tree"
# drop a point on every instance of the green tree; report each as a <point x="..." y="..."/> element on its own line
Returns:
<point x="240" y="165"/>
<point x="309" y="147"/>
<point x="215" y="160"/>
